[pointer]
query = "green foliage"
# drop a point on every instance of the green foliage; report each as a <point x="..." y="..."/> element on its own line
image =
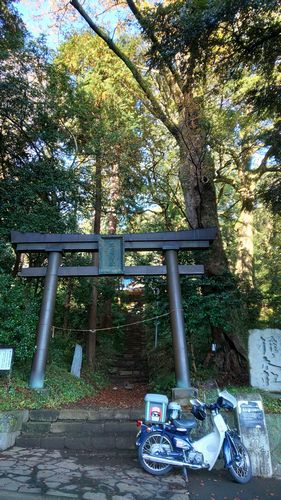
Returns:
<point x="235" y="31"/>
<point x="39" y="190"/>
<point x="268" y="266"/>
<point x="271" y="195"/>
<point x="11" y="28"/>
<point x="7" y="257"/>
<point x="60" y="121"/>
<point x="208" y="302"/>
<point x="60" y="388"/>
<point x="61" y="348"/>
<point x="108" y="126"/>
<point x="163" y="383"/>
<point x="71" y="318"/>
<point x="18" y="317"/>
<point x="97" y="378"/>
<point x="271" y="404"/>
<point x="210" y="306"/>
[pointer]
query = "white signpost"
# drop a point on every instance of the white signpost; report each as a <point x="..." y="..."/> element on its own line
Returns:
<point x="6" y="358"/>
<point x="252" y="428"/>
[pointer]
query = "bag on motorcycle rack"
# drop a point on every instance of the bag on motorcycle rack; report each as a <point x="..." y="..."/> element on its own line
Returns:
<point x="155" y="408"/>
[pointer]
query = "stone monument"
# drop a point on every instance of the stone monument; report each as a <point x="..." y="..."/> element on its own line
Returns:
<point x="265" y="359"/>
<point x="77" y="361"/>
<point x="253" y="431"/>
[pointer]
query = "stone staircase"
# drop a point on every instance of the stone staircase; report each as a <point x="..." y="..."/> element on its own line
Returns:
<point x="101" y="431"/>
<point x="130" y="366"/>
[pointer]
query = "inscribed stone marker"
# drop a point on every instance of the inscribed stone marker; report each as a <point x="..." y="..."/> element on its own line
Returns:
<point x="265" y="359"/>
<point x="77" y="361"/>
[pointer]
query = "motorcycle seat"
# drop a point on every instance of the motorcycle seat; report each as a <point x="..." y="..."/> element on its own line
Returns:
<point x="185" y="423"/>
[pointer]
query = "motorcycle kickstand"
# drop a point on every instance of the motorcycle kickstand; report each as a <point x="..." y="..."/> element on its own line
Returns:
<point x="185" y="476"/>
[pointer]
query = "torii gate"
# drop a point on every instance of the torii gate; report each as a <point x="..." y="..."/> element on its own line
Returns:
<point x="111" y="250"/>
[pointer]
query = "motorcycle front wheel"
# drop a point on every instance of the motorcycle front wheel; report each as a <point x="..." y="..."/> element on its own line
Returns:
<point x="240" y="469"/>
<point x="153" y="444"/>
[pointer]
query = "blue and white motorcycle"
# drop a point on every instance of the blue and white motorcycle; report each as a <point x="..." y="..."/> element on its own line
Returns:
<point x="162" y="446"/>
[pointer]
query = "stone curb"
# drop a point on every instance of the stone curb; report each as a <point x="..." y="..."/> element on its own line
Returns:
<point x="12" y="423"/>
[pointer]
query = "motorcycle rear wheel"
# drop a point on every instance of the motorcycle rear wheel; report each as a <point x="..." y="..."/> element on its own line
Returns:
<point x="240" y="469"/>
<point x="152" y="444"/>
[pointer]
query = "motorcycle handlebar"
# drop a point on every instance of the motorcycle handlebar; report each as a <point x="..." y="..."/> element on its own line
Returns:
<point x="211" y="406"/>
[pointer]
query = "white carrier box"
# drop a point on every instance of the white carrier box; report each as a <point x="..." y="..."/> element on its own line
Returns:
<point x="155" y="408"/>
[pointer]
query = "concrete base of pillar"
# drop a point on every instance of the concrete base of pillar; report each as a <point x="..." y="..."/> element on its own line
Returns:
<point x="183" y="395"/>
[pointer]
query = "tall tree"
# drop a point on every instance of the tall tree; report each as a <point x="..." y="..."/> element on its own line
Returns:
<point x="244" y="158"/>
<point x="108" y="135"/>
<point x="12" y="29"/>
<point x="177" y="107"/>
<point x="38" y="191"/>
<point x="182" y="38"/>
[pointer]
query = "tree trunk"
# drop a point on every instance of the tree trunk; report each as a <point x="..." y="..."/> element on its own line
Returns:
<point x="92" y="337"/>
<point x="244" y="229"/>
<point x="91" y="341"/>
<point x="114" y="195"/>
<point x="67" y="304"/>
<point x="197" y="181"/>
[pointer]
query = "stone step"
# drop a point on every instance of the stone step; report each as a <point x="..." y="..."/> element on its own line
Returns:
<point x="84" y="429"/>
<point x="129" y="372"/>
<point x="122" y="381"/>
<point x="85" y="414"/>
<point x="100" y="442"/>
<point x="130" y="355"/>
<point x="130" y="368"/>
<point x="74" y="428"/>
<point x="130" y="364"/>
<point x="125" y="372"/>
<point x="136" y="346"/>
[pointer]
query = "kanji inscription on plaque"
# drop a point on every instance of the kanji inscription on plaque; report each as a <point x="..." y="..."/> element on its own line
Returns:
<point x="111" y="255"/>
<point x="265" y="359"/>
<point x="6" y="357"/>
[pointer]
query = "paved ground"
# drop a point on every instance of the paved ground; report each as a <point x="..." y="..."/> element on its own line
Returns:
<point x="33" y="474"/>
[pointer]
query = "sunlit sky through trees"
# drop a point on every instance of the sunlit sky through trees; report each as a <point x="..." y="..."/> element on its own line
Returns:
<point x="39" y="22"/>
<point x="46" y="19"/>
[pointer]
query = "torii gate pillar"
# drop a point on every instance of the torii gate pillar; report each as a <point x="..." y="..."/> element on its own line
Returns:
<point x="177" y="320"/>
<point x="37" y="375"/>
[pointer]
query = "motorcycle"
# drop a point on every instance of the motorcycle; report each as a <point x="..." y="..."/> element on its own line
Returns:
<point x="162" y="446"/>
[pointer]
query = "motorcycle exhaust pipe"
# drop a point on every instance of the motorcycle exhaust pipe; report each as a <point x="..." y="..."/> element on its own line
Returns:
<point x="171" y="461"/>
